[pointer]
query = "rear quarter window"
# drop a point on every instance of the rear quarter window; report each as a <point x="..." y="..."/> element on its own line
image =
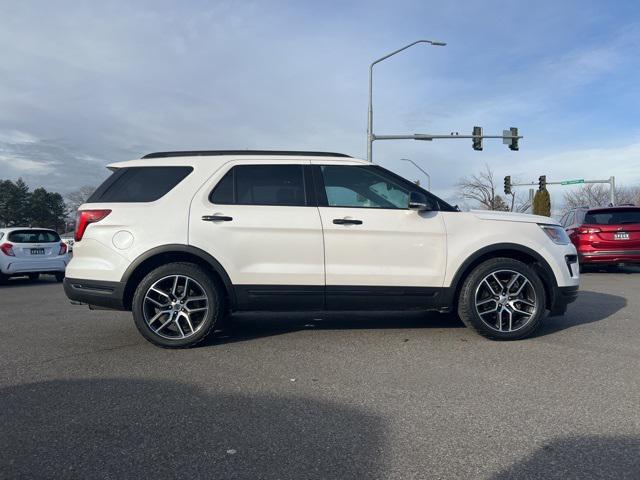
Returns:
<point x="139" y="184"/>
<point x="33" y="236"/>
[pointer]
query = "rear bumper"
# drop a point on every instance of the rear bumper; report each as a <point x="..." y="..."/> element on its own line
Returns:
<point x="95" y="292"/>
<point x="20" y="266"/>
<point x="609" y="256"/>
<point x="562" y="297"/>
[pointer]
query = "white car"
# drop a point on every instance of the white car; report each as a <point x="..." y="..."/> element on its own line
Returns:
<point x="183" y="238"/>
<point x="31" y="251"/>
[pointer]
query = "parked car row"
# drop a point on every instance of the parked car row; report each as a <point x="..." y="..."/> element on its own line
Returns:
<point x="31" y="252"/>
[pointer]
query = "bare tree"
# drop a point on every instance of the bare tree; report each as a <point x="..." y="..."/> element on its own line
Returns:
<point x="76" y="198"/>
<point x="481" y="188"/>
<point x="520" y="204"/>
<point x="597" y="195"/>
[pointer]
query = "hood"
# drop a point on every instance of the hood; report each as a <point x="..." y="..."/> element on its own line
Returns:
<point x="512" y="217"/>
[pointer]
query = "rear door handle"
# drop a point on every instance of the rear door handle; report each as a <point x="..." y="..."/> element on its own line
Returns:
<point x="216" y="218"/>
<point x="346" y="221"/>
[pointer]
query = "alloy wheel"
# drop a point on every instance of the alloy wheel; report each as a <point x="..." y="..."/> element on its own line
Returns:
<point x="175" y="307"/>
<point x="506" y="301"/>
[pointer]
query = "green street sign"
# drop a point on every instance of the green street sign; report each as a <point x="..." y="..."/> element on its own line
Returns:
<point x="572" y="182"/>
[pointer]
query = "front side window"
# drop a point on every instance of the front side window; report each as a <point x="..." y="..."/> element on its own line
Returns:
<point x="364" y="187"/>
<point x="261" y="185"/>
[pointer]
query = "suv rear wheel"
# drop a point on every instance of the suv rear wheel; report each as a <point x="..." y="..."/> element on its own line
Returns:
<point x="502" y="299"/>
<point x="177" y="305"/>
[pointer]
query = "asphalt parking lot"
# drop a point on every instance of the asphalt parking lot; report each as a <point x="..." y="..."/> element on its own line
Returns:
<point x="341" y="396"/>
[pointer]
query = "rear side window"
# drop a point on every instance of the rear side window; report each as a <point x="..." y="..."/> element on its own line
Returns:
<point x="139" y="184"/>
<point x="33" y="236"/>
<point x="261" y="185"/>
<point x="613" y="216"/>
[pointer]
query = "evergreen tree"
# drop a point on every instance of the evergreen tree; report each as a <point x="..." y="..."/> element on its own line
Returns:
<point x="542" y="203"/>
<point x="14" y="203"/>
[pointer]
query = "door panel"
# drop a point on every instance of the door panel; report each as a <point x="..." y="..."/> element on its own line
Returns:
<point x="261" y="245"/>
<point x="395" y="248"/>
<point x="372" y="239"/>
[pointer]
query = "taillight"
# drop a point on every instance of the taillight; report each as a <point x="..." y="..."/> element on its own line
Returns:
<point x="86" y="217"/>
<point x="588" y="230"/>
<point x="63" y="248"/>
<point x="7" y="249"/>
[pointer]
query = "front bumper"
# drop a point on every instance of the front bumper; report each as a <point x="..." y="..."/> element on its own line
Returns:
<point x="563" y="296"/>
<point x="95" y="292"/>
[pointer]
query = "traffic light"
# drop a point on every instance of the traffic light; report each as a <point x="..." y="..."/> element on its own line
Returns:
<point x="513" y="145"/>
<point x="507" y="185"/>
<point x="477" y="138"/>
<point x="542" y="182"/>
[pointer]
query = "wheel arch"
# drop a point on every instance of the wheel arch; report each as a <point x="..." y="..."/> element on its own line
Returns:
<point x="157" y="256"/>
<point x="507" y="250"/>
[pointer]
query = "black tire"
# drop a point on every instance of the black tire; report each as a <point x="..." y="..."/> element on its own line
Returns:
<point x="203" y="280"/>
<point x="59" y="276"/>
<point x="467" y="300"/>
<point x="4" y="279"/>
<point x="34" y="276"/>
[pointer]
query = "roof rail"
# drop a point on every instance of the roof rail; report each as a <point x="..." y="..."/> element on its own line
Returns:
<point x="212" y="153"/>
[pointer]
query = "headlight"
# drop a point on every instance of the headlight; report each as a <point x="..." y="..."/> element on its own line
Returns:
<point x="556" y="233"/>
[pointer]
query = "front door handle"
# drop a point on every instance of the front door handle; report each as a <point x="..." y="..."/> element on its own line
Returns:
<point x="216" y="218"/>
<point x="346" y="221"/>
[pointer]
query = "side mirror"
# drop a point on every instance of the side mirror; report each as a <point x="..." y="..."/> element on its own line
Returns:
<point x="419" y="202"/>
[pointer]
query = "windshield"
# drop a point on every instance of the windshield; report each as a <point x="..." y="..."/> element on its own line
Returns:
<point x="613" y="216"/>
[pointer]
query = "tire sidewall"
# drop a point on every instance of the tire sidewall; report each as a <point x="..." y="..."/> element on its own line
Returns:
<point x="189" y="270"/>
<point x="478" y="274"/>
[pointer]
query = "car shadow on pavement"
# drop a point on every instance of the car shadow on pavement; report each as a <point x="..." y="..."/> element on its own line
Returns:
<point x="129" y="428"/>
<point x="27" y="282"/>
<point x="596" y="457"/>
<point x="248" y="326"/>
<point x="627" y="269"/>
<point x="588" y="308"/>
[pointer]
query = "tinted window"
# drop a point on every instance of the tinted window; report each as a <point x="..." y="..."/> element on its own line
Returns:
<point x="261" y="185"/>
<point x="612" y="216"/>
<point x="33" y="236"/>
<point x="139" y="184"/>
<point x="223" y="193"/>
<point x="365" y="187"/>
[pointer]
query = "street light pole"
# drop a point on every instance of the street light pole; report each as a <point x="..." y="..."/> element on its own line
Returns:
<point x="420" y="168"/>
<point x="370" y="135"/>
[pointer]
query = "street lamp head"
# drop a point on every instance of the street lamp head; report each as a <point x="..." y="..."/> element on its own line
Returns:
<point x="437" y="44"/>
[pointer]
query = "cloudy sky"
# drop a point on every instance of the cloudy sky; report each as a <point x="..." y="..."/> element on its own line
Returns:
<point x="83" y="84"/>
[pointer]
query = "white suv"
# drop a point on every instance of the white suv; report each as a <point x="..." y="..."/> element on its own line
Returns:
<point x="183" y="238"/>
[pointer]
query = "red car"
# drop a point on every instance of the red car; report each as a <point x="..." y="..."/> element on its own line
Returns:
<point x="606" y="235"/>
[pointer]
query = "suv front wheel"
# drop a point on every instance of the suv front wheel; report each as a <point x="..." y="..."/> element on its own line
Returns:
<point x="502" y="299"/>
<point x="177" y="305"/>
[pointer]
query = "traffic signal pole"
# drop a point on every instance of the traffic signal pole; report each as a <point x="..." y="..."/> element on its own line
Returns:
<point x="543" y="182"/>
<point x="509" y="137"/>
